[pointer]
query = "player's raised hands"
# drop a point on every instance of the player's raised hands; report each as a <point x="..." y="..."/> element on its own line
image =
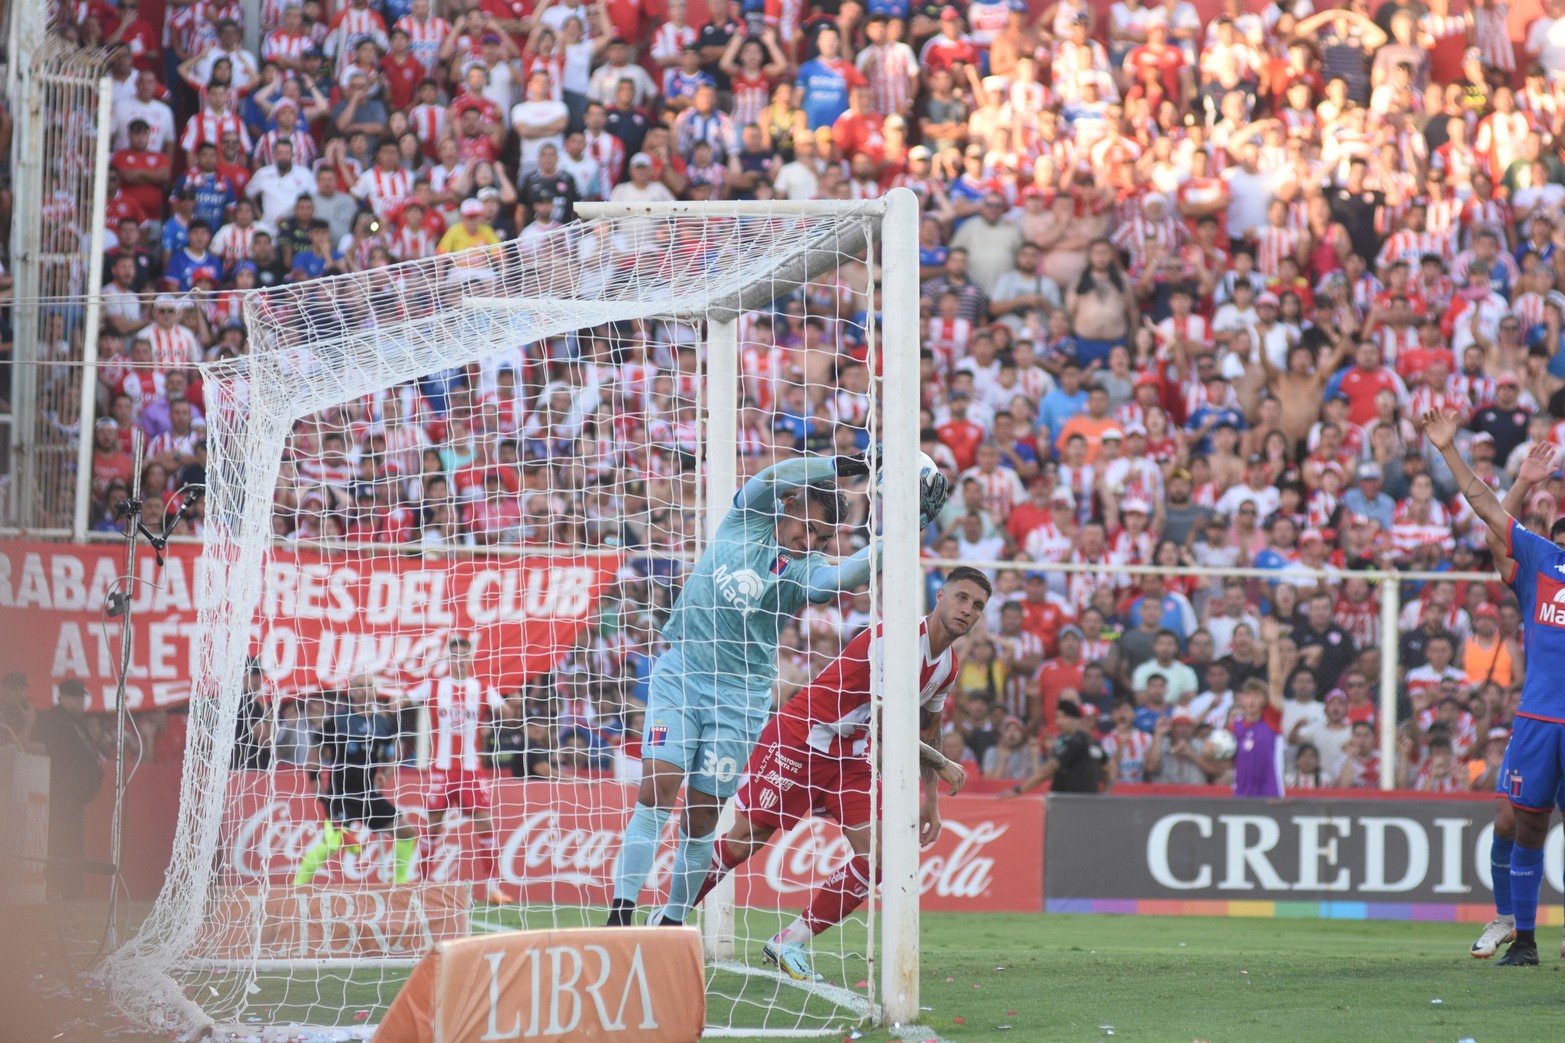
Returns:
<point x="1271" y="630"/>
<point x="1440" y="427"/>
<point x="1538" y="464"/>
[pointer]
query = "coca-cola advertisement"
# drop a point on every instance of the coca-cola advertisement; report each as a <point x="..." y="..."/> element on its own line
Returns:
<point x="559" y="839"/>
<point x="322" y="616"/>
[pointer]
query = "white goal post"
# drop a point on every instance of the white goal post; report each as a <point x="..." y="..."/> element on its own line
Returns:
<point x="317" y="344"/>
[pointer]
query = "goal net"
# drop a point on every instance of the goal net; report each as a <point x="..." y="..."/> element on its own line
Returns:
<point x="450" y="505"/>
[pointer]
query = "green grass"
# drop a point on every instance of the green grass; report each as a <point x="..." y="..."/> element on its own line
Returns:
<point x="1175" y="979"/>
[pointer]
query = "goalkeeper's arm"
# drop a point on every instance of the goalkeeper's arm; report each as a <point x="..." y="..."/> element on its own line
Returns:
<point x="780" y="480"/>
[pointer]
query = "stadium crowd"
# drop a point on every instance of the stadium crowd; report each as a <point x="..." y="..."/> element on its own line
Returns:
<point x="1187" y="275"/>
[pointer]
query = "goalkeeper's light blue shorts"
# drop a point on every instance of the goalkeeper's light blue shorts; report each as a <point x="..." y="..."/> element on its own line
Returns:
<point x="706" y="728"/>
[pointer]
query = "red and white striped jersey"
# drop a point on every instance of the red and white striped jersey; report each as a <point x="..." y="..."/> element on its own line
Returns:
<point x="429" y="123"/>
<point x="1193" y="328"/>
<point x="1499" y="140"/>
<point x="832" y="714"/>
<point x="424" y="39"/>
<point x="1424" y="399"/>
<point x="383" y="190"/>
<point x="1410" y="246"/>
<point x="609" y="152"/>
<point x="1134" y="233"/>
<point x="1409" y="532"/>
<point x="456" y="711"/>
<point x="234" y="244"/>
<point x="407" y="244"/>
<point x="1492" y="35"/>
<point x="316" y="471"/>
<point x="1082" y="586"/>
<point x="1129" y="753"/>
<point x="1272" y="244"/>
<point x="1394" y="342"/>
<point x="1529" y="309"/>
<point x="1016" y="694"/>
<point x="1493" y="215"/>
<point x="948" y="339"/>
<point x="1476" y="389"/>
<point x="1360" y="619"/>
<point x="668" y="40"/>
<point x="1002" y="490"/>
<point x="280" y="43"/>
<point x="304" y="150"/>
<point x="1465" y="735"/>
<point x="350" y="26"/>
<point x="169" y="442"/>
<point x="889" y="68"/>
<point x="1132" y="550"/>
<point x="207" y="126"/>
<point x="175" y="348"/>
<point x="1045" y="543"/>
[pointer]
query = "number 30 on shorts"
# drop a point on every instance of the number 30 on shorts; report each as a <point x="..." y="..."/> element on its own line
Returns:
<point x="723" y="769"/>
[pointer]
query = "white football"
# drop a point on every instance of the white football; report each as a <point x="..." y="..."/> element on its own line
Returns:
<point x="1221" y="745"/>
<point x="927" y="469"/>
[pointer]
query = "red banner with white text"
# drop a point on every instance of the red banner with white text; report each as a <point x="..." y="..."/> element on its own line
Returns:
<point x="558" y="842"/>
<point x="322" y="616"/>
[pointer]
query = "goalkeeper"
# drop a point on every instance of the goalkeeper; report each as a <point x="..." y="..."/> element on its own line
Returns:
<point x="711" y="692"/>
<point x="358" y="744"/>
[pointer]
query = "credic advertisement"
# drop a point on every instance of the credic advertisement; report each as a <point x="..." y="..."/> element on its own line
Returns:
<point x="558" y="842"/>
<point x="322" y="617"/>
<point x="1413" y="853"/>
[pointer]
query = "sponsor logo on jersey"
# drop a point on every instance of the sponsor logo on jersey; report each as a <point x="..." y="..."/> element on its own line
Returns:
<point x="740" y="589"/>
<point x="657" y="735"/>
<point x="1550" y="609"/>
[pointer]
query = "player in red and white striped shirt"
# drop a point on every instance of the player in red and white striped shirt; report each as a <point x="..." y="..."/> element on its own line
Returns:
<point x="457" y="704"/>
<point x="816" y="754"/>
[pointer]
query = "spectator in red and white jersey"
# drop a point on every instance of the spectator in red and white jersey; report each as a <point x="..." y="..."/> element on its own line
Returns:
<point x="176" y="447"/>
<point x="210" y="124"/>
<point x="174" y="344"/>
<point x="1001" y="489"/>
<point x="1361" y="765"/>
<point x="387" y="184"/>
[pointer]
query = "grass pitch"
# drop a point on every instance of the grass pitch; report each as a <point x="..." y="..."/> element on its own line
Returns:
<point x="1005" y="978"/>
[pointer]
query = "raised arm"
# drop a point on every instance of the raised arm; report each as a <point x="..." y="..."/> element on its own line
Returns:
<point x="1537" y="465"/>
<point x="1440" y="428"/>
<point x="828" y="582"/>
<point x="1271" y="633"/>
<point x="762" y="492"/>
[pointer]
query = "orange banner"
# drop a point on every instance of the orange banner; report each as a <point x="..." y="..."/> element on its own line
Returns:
<point x="322" y="616"/>
<point x="631" y="984"/>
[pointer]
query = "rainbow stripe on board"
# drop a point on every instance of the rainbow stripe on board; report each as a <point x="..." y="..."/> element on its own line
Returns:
<point x="1550" y="915"/>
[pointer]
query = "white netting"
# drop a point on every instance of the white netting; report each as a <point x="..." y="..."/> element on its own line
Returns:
<point x="505" y="444"/>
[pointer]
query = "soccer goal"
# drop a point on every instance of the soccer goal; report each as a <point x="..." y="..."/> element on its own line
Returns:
<point x="457" y="497"/>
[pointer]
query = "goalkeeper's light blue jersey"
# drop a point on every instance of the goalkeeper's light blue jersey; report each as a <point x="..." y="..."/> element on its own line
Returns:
<point x="745" y="587"/>
<point x="736" y="600"/>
